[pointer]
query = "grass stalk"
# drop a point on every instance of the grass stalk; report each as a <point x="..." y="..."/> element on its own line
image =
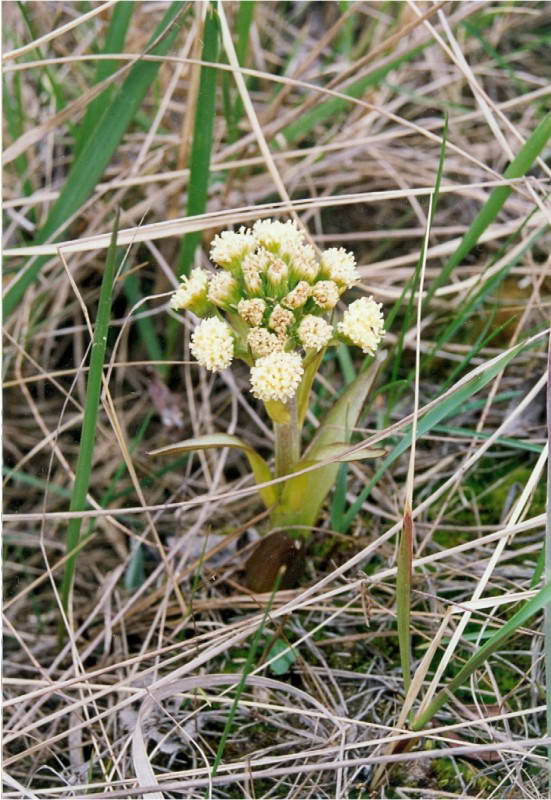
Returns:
<point x="88" y="434"/>
<point x="201" y="147"/>
<point x="96" y="153"/>
<point x="247" y="669"/>
<point x="547" y="618"/>
<point x="541" y="600"/>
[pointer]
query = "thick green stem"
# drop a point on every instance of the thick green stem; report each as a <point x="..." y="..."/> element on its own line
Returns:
<point x="287" y="442"/>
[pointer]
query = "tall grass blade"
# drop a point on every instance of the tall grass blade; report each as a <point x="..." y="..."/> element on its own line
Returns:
<point x="547" y="618"/>
<point x="241" y="685"/>
<point x="403" y="595"/>
<point x="114" y="43"/>
<point x="201" y="147"/>
<point x="412" y="287"/>
<point x="88" y="434"/>
<point x="526" y="612"/>
<point x="145" y="326"/>
<point x="233" y="108"/>
<point x="329" y="109"/>
<point x="520" y="165"/>
<point x="98" y="150"/>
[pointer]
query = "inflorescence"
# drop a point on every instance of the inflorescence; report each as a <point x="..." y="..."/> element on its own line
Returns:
<point x="268" y="305"/>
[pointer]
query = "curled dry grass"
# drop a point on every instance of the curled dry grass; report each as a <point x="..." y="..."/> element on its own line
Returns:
<point x="138" y="694"/>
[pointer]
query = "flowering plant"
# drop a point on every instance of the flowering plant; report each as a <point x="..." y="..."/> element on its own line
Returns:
<point x="273" y="305"/>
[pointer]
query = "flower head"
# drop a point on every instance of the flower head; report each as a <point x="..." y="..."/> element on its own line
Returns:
<point x="262" y="342"/>
<point x="223" y="289"/>
<point x="298" y="296"/>
<point x="192" y="292"/>
<point x="326" y="294"/>
<point x="252" y="310"/>
<point x="229" y="248"/>
<point x="252" y="267"/>
<point x="339" y="265"/>
<point x="314" y="332"/>
<point x="277" y="273"/>
<point x="280" y="319"/>
<point x="363" y="324"/>
<point x="276" y="376"/>
<point x="304" y="262"/>
<point x="212" y="344"/>
<point x="277" y="237"/>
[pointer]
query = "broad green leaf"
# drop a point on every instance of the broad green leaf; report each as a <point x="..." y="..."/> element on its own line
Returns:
<point x="340" y="451"/>
<point x="303" y="495"/>
<point x="259" y="466"/>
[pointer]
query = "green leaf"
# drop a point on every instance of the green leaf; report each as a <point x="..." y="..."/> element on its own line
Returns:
<point x="284" y="663"/>
<point x="201" y="147"/>
<point x="88" y="434"/>
<point x="302" y="496"/>
<point x="528" y="610"/>
<point x="340" y="451"/>
<point x="520" y="165"/>
<point x="96" y="153"/>
<point x="259" y="466"/>
<point x="448" y="405"/>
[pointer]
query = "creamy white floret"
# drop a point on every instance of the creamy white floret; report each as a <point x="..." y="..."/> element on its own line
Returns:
<point x="212" y="344"/>
<point x="314" y="332"/>
<point x="223" y="289"/>
<point x="276" y="236"/>
<point x="191" y="289"/>
<point x="363" y="324"/>
<point x="229" y="247"/>
<point x="276" y="376"/>
<point x="339" y="265"/>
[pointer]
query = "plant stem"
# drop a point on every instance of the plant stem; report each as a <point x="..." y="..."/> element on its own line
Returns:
<point x="287" y="444"/>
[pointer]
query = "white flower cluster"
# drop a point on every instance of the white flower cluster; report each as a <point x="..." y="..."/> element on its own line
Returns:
<point x="274" y="293"/>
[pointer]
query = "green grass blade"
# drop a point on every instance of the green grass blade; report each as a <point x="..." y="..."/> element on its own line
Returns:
<point x="520" y="165"/>
<point x="403" y="595"/>
<point x="54" y="85"/>
<point x="547" y="617"/>
<point x="98" y="150"/>
<point x="114" y="43"/>
<point x="338" y="502"/>
<point x="233" y="109"/>
<point x="525" y="613"/>
<point x="412" y="287"/>
<point x="201" y="147"/>
<point x="145" y="326"/>
<point x="329" y="109"/>
<point x="13" y="110"/>
<point x="449" y="405"/>
<point x="88" y="434"/>
<point x="247" y="668"/>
